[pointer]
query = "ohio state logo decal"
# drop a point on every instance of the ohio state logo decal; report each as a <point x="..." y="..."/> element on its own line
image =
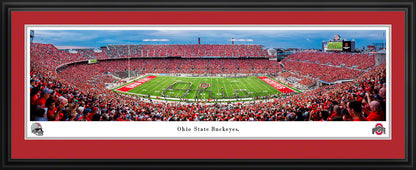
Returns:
<point x="204" y="85"/>
<point x="379" y="129"/>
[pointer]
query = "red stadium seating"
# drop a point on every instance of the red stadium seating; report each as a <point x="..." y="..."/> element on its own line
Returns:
<point x="83" y="85"/>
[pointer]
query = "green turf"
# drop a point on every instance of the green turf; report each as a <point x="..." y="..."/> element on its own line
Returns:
<point x="254" y="86"/>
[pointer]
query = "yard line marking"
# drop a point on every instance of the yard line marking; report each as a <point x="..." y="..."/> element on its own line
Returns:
<point x="162" y="83"/>
<point x="225" y="89"/>
<point x="254" y="87"/>
<point x="265" y="86"/>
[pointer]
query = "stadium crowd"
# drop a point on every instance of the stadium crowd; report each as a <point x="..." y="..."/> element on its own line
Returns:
<point x="307" y="82"/>
<point x="290" y="77"/>
<point x="322" y="72"/>
<point x="186" y="51"/>
<point x="78" y="93"/>
<point x="189" y="66"/>
<point x="362" y="61"/>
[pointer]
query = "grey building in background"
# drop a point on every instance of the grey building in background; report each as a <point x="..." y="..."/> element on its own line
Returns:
<point x="352" y="45"/>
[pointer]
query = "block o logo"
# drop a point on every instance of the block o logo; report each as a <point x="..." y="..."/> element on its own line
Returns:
<point x="379" y="129"/>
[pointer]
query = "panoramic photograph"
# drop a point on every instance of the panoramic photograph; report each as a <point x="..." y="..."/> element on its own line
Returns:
<point x="174" y="74"/>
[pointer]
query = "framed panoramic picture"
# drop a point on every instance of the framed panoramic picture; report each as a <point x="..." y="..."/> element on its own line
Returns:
<point x="209" y="85"/>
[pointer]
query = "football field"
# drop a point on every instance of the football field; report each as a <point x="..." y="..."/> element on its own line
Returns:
<point x="200" y="87"/>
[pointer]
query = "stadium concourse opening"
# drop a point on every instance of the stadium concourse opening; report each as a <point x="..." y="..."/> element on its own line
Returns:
<point x="202" y="82"/>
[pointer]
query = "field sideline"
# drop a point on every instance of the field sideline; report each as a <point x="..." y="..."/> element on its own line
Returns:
<point x="215" y="88"/>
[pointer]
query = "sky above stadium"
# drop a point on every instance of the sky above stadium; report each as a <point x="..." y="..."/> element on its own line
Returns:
<point x="305" y="39"/>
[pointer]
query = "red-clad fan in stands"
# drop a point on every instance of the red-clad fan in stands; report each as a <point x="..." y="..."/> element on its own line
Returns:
<point x="376" y="114"/>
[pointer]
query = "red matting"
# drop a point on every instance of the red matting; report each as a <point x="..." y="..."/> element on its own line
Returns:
<point x="206" y="149"/>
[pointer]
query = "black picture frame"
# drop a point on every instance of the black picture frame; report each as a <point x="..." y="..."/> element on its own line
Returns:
<point x="408" y="6"/>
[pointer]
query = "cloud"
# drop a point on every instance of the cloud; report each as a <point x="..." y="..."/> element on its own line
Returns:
<point x="65" y="36"/>
<point x="172" y="33"/>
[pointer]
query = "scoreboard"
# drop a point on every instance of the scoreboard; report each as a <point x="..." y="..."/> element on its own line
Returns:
<point x="347" y="47"/>
<point x="338" y="45"/>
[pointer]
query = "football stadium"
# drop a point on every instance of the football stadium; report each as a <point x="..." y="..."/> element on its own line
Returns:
<point x="206" y="82"/>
